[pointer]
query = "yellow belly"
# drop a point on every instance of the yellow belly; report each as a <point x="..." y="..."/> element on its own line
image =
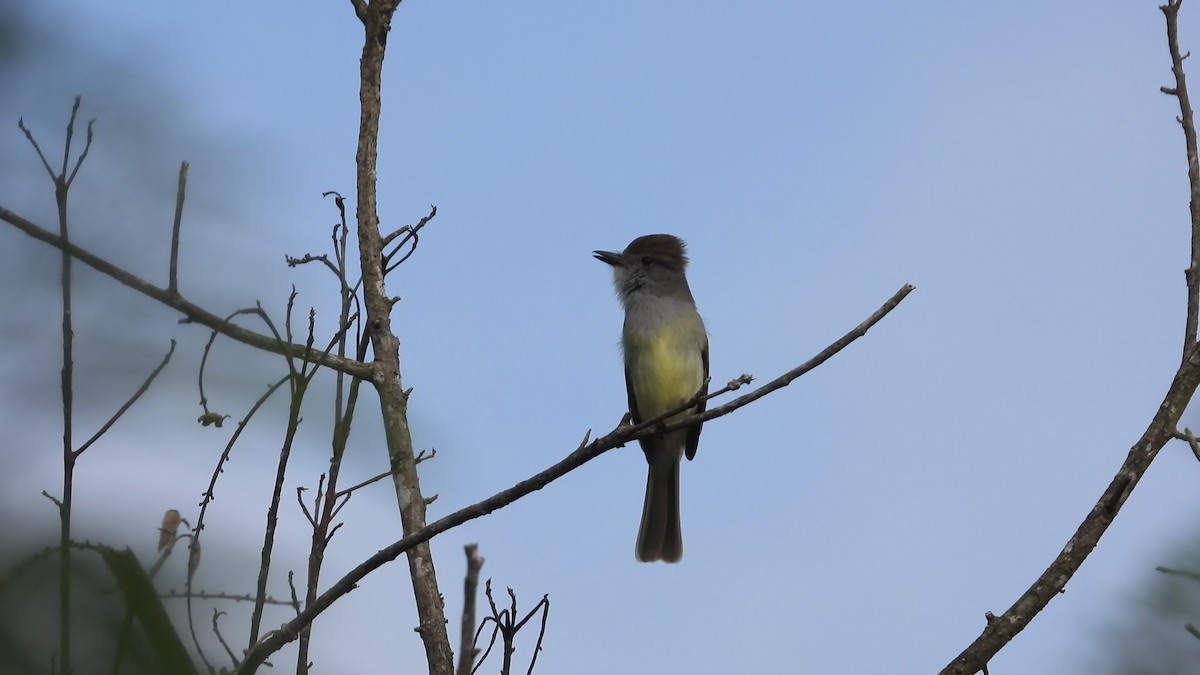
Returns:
<point x="665" y="368"/>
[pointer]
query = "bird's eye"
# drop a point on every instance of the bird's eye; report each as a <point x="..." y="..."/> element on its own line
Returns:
<point x="647" y="261"/>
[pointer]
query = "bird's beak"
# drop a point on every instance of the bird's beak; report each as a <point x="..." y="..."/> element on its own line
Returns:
<point x="614" y="259"/>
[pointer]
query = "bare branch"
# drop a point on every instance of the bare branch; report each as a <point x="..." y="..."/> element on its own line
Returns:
<point x="173" y="274"/>
<point x="373" y="479"/>
<point x="209" y="417"/>
<point x="70" y="134"/>
<point x="220" y="638"/>
<point x="507" y="625"/>
<point x="41" y="155"/>
<point x="333" y="530"/>
<point x="304" y="507"/>
<point x="87" y="146"/>
<point x="467" y="650"/>
<point x="210" y="492"/>
<point x="410" y="230"/>
<point x="385" y="345"/>
<point x="411" y="234"/>
<point x="232" y="597"/>
<point x="790" y="376"/>
<point x="537" y="648"/>
<point x="494" y="619"/>
<point x="1194" y="576"/>
<point x="1162" y="427"/>
<point x="299" y="386"/>
<point x="192" y="312"/>
<point x="293" y="261"/>
<point x="1186" y="121"/>
<point x="1052" y="581"/>
<point x="132" y="399"/>
<point x="1191" y="440"/>
<point x="584" y="453"/>
<point x="295" y="603"/>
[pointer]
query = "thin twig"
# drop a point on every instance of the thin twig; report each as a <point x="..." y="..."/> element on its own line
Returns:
<point x="541" y="633"/>
<point x="507" y="626"/>
<point x="467" y="650"/>
<point x="308" y="258"/>
<point x="1187" y="123"/>
<point x="790" y="376"/>
<point x="132" y="399"/>
<point x="304" y="507"/>
<point x="537" y="647"/>
<point x="1194" y="576"/>
<point x="232" y="597"/>
<point x="87" y="146"/>
<point x="295" y="603"/>
<point x="41" y="155"/>
<point x="209" y="417"/>
<point x="173" y="275"/>
<point x="352" y="488"/>
<point x="220" y="638"/>
<point x="1191" y="440"/>
<point x="327" y="503"/>
<point x="494" y="619"/>
<point x="299" y="386"/>
<point x="410" y="229"/>
<point x="210" y="493"/>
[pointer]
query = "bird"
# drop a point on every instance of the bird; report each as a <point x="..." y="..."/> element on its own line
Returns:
<point x="665" y="349"/>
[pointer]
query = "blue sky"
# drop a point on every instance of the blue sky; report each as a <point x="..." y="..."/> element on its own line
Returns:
<point x="1015" y="162"/>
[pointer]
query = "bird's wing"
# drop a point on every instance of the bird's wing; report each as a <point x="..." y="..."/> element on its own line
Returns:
<point x="646" y="442"/>
<point x="693" y="435"/>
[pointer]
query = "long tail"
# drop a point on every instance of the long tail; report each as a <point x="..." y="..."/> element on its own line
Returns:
<point x="659" y="537"/>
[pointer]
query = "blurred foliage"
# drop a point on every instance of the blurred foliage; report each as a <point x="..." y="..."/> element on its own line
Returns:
<point x="118" y="622"/>
<point x="1149" y="633"/>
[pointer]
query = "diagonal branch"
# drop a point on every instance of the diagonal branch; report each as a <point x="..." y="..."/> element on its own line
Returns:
<point x="1162" y="428"/>
<point x="129" y="403"/>
<point x="586" y="452"/>
<point x="38" y="149"/>
<point x="787" y="378"/>
<point x="1000" y="630"/>
<point x="194" y="313"/>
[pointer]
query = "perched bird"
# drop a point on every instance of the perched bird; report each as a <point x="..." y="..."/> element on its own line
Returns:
<point x="666" y="365"/>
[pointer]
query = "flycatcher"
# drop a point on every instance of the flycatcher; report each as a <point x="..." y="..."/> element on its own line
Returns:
<point x="666" y="364"/>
